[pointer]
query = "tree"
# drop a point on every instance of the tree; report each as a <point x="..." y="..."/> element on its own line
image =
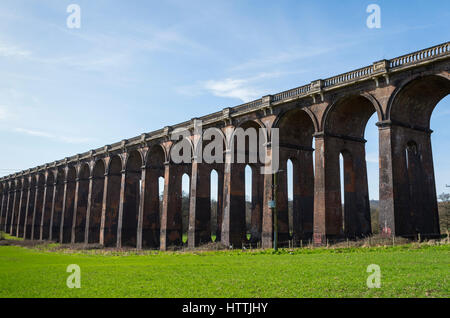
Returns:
<point x="444" y="211"/>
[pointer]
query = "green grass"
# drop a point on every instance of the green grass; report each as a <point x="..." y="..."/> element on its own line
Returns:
<point x="6" y="236"/>
<point x="406" y="271"/>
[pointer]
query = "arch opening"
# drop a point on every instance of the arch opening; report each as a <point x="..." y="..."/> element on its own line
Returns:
<point x="55" y="227"/>
<point x="214" y="191"/>
<point x="153" y="196"/>
<point x="245" y="214"/>
<point x="290" y="196"/>
<point x="69" y="205"/>
<point x="132" y="196"/>
<point x="248" y="202"/>
<point x="185" y="200"/>
<point x="95" y="213"/>
<point x="79" y="227"/>
<point x="37" y="212"/>
<point x="295" y="178"/>
<point x="345" y="125"/>
<point x="15" y="211"/>
<point x="114" y="177"/>
<point x="47" y="208"/>
<point x="410" y="110"/>
<point x="9" y="207"/>
<point x="22" y="208"/>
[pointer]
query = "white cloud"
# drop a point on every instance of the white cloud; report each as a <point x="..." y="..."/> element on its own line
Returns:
<point x="13" y="51"/>
<point x="233" y="88"/>
<point x="66" y="139"/>
<point x="244" y="88"/>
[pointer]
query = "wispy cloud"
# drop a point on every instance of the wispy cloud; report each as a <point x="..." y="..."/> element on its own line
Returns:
<point x="289" y="55"/>
<point x="167" y="41"/>
<point x="13" y="51"/>
<point x="43" y="134"/>
<point x="243" y="88"/>
<point x="97" y="59"/>
<point x="232" y="88"/>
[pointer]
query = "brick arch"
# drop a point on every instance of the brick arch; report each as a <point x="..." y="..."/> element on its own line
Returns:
<point x="37" y="212"/>
<point x="297" y="126"/>
<point x="99" y="167"/>
<point x="127" y="226"/>
<point x="115" y="164"/>
<point x="94" y="213"/>
<point x="47" y="203"/>
<point x="55" y="223"/>
<point x="22" y="207"/>
<point x="113" y="174"/>
<point x="84" y="170"/>
<point x="155" y="155"/>
<point x="70" y="175"/>
<point x="81" y="203"/>
<point x="348" y="115"/>
<point x="296" y="129"/>
<point x="414" y="100"/>
<point x="282" y="116"/>
<point x="134" y="160"/>
<point x="156" y="158"/>
<point x="15" y="207"/>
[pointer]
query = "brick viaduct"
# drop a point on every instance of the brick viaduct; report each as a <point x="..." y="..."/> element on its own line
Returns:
<point x="110" y="195"/>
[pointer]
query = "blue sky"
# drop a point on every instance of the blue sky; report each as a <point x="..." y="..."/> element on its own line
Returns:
<point x="137" y="66"/>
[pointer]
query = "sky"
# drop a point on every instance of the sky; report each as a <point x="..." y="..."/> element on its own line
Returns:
<point x="137" y="66"/>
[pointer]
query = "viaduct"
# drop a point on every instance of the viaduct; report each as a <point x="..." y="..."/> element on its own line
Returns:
<point x="110" y="196"/>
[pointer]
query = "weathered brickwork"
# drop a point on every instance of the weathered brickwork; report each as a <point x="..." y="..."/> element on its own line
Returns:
<point x="111" y="196"/>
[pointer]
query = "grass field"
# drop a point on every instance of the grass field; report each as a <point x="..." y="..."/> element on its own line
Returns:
<point x="406" y="271"/>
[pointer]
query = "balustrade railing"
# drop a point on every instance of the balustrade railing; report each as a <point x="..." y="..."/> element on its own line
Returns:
<point x="419" y="56"/>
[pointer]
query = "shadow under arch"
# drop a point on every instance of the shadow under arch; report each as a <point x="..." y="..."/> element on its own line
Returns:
<point x="68" y="204"/>
<point x="132" y="194"/>
<point x="412" y="209"/>
<point x="151" y="219"/>
<point x="110" y="216"/>
<point x="2" y="202"/>
<point x="37" y="211"/>
<point x="348" y="116"/>
<point x="244" y="146"/>
<point x="344" y="125"/>
<point x="15" y="208"/>
<point x="413" y="101"/>
<point x="296" y="129"/>
<point x="48" y="202"/>
<point x="58" y="194"/>
<point x="93" y="223"/>
<point x="81" y="202"/>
